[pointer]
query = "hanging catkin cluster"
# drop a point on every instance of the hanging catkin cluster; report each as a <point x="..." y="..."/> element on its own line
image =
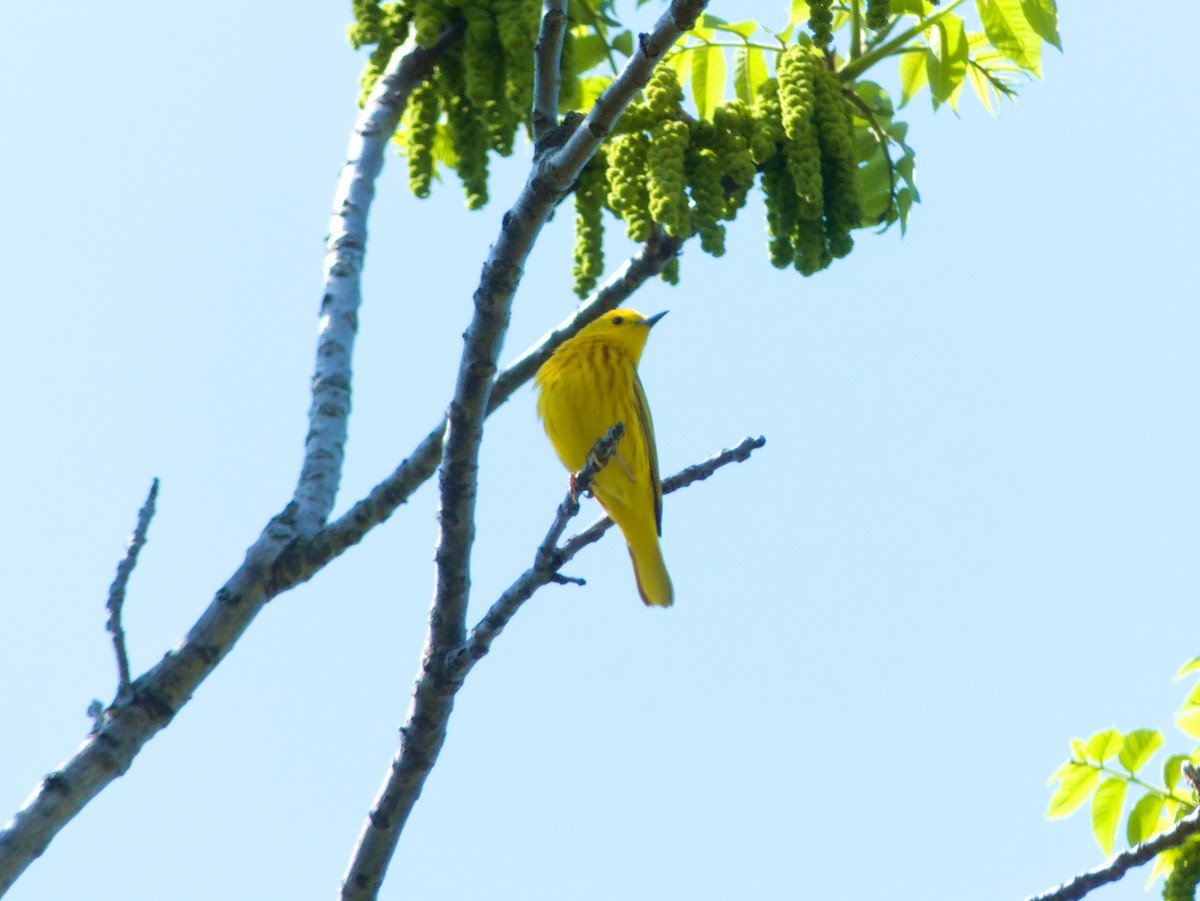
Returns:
<point x="804" y="146"/>
<point x="667" y="170"/>
<point x="482" y="88"/>
<point x="879" y="12"/>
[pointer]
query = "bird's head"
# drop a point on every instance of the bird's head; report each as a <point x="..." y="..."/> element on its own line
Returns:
<point x="627" y="329"/>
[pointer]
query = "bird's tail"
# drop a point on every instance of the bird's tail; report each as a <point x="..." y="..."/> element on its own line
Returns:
<point x="650" y="570"/>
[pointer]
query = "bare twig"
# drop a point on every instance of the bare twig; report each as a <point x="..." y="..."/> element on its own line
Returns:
<point x="697" y="472"/>
<point x="116" y="593"/>
<point x="1141" y="853"/>
<point x="547" y="77"/>
<point x="122" y="730"/>
<point x="550" y="558"/>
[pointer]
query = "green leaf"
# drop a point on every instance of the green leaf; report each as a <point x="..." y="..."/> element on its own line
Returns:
<point x="1078" y="749"/>
<point x="1173" y="770"/>
<point x="1193" y="697"/>
<point x="904" y="202"/>
<point x="1143" y="819"/>
<point x="1188" y="722"/>
<point x="749" y="71"/>
<point x="1009" y="31"/>
<point x="741" y="29"/>
<point x="1106" y="812"/>
<point x="1042" y="16"/>
<point x="708" y="79"/>
<point x="1075" y="786"/>
<point x="623" y="43"/>
<point x="983" y="88"/>
<point x="1104" y="745"/>
<point x="946" y="61"/>
<point x="590" y="50"/>
<point x="590" y="88"/>
<point x="682" y="64"/>
<point x="1138" y="747"/>
<point x="920" y="8"/>
<point x="913" y="74"/>
<point x="1190" y="667"/>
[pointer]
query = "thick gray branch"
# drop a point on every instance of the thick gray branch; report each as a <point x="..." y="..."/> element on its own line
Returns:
<point x="555" y="169"/>
<point x="1141" y="853"/>
<point x="547" y="77"/>
<point x="123" y="729"/>
<point x="329" y="413"/>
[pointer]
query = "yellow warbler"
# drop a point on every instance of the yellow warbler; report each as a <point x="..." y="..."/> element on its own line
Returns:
<point x="590" y="383"/>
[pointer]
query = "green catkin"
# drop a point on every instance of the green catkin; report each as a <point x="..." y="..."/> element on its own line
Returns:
<point x="879" y="13"/>
<point x="479" y="56"/>
<point x="708" y="198"/>
<point x="1180" y="884"/>
<point x="733" y="125"/>
<point x="466" y="129"/>
<point x="590" y="191"/>
<point x="627" y="195"/>
<point x="664" y="96"/>
<point x="670" y="271"/>
<point x="768" y="133"/>
<point x="820" y="22"/>
<point x="385" y="26"/>
<point x="797" y="71"/>
<point x="666" y="179"/>
<point x="419" y="128"/>
<point x="516" y="29"/>
<point x="839" y="168"/>
<point x="779" y="196"/>
<point x="429" y="19"/>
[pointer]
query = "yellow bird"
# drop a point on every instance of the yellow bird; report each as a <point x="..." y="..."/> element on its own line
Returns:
<point x="590" y="383"/>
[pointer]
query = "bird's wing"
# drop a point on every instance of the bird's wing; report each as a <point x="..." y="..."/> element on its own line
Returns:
<point x="643" y="414"/>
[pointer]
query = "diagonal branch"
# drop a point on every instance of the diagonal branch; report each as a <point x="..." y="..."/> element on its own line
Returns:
<point x="122" y="730"/>
<point x="547" y="75"/>
<point x="1141" y="853"/>
<point x="401" y="788"/>
<point x="116" y="594"/>
<point x="328" y="416"/>
<point x="554" y="171"/>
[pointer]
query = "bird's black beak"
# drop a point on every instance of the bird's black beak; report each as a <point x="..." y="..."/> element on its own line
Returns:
<point x="650" y="320"/>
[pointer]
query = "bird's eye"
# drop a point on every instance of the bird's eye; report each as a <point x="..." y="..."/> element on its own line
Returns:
<point x="617" y="320"/>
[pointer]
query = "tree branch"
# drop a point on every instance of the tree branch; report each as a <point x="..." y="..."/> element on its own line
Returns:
<point x="1141" y="853"/>
<point x="697" y="472"/>
<point x="116" y="593"/>
<point x="325" y="445"/>
<point x="402" y="787"/>
<point x="547" y="75"/>
<point x="550" y="558"/>
<point x="553" y="172"/>
<point x="122" y="730"/>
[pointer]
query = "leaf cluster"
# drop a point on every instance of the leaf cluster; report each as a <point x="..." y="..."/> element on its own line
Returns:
<point x="474" y="107"/>
<point x="1110" y="767"/>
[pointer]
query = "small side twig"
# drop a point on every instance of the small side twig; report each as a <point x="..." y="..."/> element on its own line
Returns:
<point x="1141" y="853"/>
<point x="697" y="472"/>
<point x="547" y="77"/>
<point x="116" y="593"/>
<point x="550" y="558"/>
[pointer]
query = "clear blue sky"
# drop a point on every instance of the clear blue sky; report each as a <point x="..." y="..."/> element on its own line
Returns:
<point x="971" y="536"/>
